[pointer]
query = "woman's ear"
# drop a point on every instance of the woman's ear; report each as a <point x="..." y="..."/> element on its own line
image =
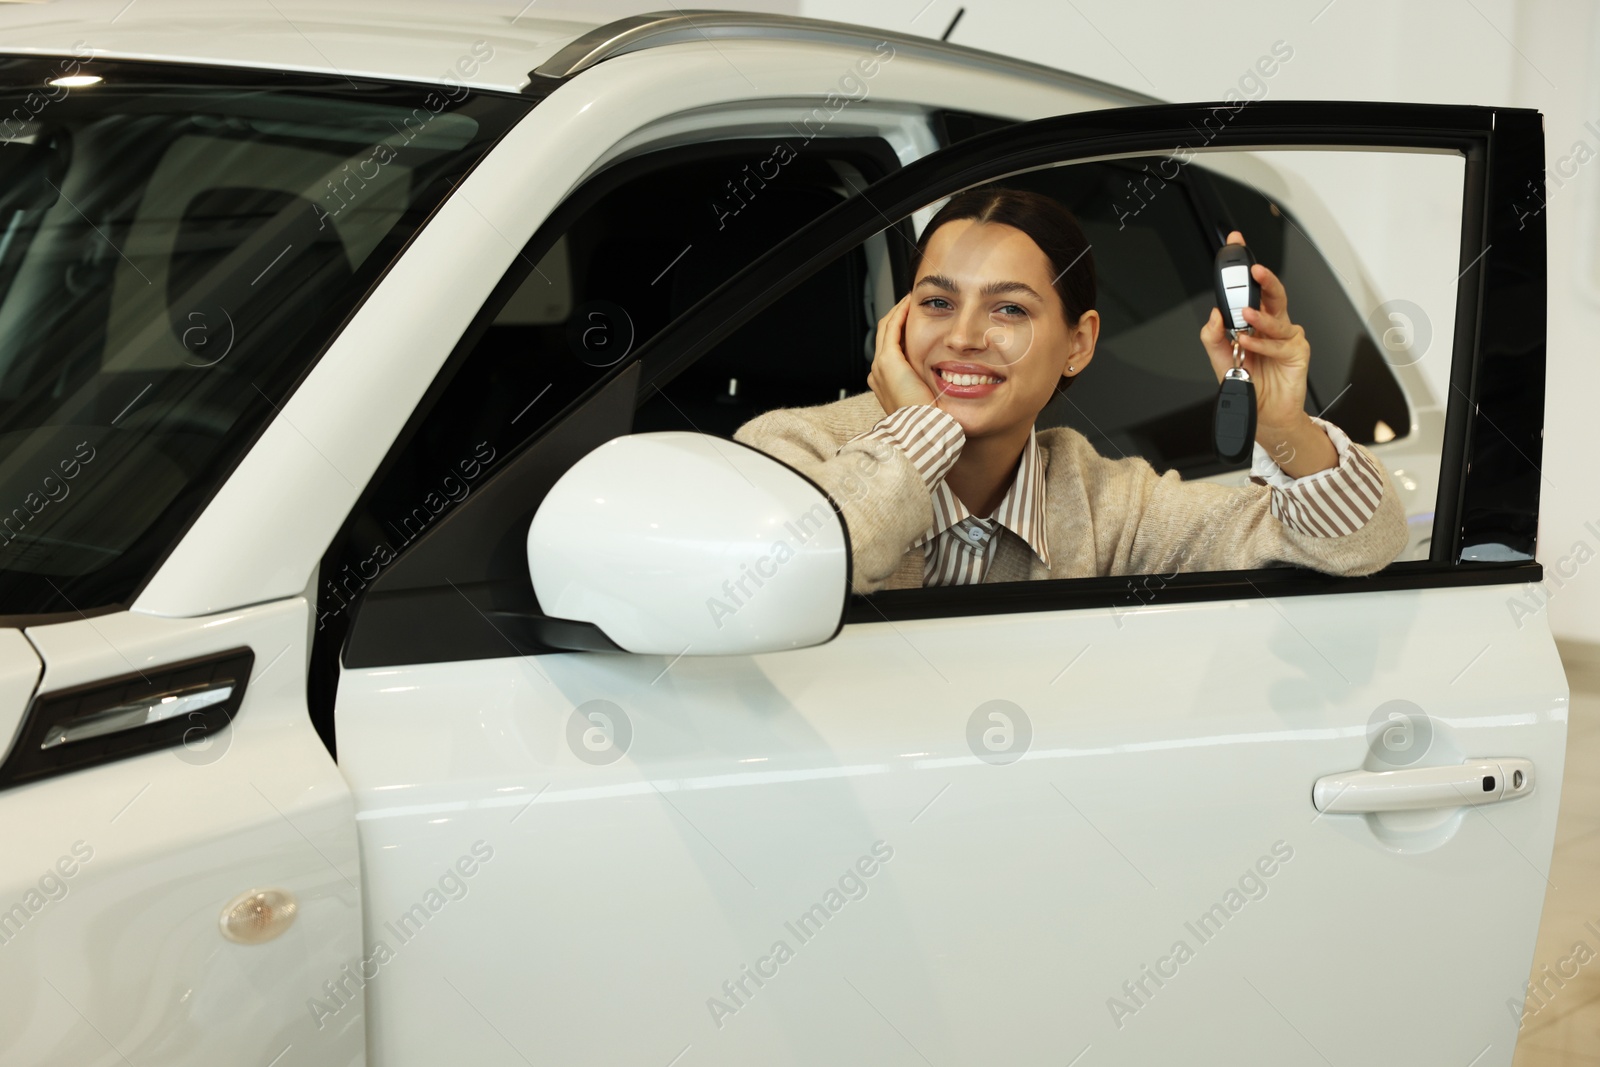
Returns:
<point x="1082" y="338"/>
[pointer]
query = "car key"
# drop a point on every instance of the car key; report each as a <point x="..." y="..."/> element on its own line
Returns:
<point x="1234" y="424"/>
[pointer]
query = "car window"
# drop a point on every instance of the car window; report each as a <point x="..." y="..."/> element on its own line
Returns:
<point x="475" y="570"/>
<point x="630" y="251"/>
<point x="1151" y="391"/>
<point x="177" y="247"/>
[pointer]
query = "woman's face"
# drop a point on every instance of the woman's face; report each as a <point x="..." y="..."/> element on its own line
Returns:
<point x="983" y="304"/>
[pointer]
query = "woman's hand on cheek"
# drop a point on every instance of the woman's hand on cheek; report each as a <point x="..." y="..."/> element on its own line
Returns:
<point x="893" y="380"/>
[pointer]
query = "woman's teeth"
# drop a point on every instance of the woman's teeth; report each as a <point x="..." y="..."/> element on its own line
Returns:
<point x="969" y="379"/>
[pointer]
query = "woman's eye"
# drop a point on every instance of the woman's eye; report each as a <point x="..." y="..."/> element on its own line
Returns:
<point x="1013" y="310"/>
<point x="932" y="299"/>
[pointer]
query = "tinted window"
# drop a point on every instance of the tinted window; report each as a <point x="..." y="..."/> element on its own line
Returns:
<point x="634" y="249"/>
<point x="177" y="246"/>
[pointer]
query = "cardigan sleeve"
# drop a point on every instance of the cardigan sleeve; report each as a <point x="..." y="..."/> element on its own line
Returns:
<point x="881" y="479"/>
<point x="1346" y="520"/>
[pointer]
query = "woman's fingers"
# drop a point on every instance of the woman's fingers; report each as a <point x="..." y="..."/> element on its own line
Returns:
<point x="1212" y="334"/>
<point x="1274" y="300"/>
<point x="876" y="380"/>
<point x="893" y="380"/>
<point x="1265" y="325"/>
<point x="1285" y="348"/>
<point x="1215" y="341"/>
<point x="888" y="321"/>
<point x="892" y="326"/>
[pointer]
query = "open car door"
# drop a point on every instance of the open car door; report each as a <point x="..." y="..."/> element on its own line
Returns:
<point x="1267" y="816"/>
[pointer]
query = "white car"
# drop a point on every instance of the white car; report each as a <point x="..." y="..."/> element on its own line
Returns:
<point x="367" y="382"/>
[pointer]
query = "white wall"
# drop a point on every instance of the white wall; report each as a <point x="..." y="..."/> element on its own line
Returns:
<point x="1542" y="54"/>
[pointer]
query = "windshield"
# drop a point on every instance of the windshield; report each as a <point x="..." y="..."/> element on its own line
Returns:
<point x="177" y="247"/>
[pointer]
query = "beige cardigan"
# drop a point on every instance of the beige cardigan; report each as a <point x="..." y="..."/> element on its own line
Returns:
<point x="1104" y="516"/>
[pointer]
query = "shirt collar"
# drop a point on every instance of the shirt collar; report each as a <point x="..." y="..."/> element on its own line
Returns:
<point x="1021" y="510"/>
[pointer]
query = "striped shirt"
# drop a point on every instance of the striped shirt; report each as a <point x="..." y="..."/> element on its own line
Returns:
<point x="1327" y="503"/>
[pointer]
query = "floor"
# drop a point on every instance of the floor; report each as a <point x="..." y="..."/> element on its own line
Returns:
<point x="1565" y="1031"/>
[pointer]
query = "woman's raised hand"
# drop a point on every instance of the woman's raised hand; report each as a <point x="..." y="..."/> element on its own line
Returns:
<point x="892" y="380"/>
<point x="1276" y="355"/>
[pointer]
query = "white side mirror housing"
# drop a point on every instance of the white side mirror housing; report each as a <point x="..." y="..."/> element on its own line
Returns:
<point x="684" y="543"/>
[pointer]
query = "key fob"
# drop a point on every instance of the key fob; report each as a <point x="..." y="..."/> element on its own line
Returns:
<point x="1235" y="421"/>
<point x="1236" y="289"/>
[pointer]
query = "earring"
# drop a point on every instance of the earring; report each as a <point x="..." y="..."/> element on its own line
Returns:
<point x="1069" y="368"/>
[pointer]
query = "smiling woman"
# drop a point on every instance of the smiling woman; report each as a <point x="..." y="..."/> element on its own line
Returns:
<point x="963" y="488"/>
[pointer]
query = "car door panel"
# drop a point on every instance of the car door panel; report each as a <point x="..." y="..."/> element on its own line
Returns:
<point x="1172" y="748"/>
<point x="1004" y="823"/>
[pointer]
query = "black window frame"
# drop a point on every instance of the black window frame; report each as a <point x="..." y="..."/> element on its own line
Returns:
<point x="1488" y="491"/>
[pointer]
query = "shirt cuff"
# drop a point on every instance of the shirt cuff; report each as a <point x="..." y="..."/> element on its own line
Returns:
<point x="1325" y="503"/>
<point x="930" y="437"/>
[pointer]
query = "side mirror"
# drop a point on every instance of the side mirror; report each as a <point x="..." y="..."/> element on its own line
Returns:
<point x="677" y="542"/>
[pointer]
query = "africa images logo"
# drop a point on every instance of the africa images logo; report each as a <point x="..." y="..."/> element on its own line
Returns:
<point x="1399" y="733"/>
<point x="599" y="732"/>
<point x="999" y="732"/>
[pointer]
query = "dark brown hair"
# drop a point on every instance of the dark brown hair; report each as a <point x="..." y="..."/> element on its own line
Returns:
<point x="1051" y="226"/>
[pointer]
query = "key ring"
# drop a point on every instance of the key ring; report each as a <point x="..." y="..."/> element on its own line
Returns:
<point x="1238" y="371"/>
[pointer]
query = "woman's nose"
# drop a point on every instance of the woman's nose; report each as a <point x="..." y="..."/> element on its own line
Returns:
<point x="970" y="329"/>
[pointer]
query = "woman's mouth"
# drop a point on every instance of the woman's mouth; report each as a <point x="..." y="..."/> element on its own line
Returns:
<point x="966" y="382"/>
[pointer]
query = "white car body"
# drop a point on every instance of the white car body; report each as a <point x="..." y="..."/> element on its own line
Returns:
<point x="615" y="910"/>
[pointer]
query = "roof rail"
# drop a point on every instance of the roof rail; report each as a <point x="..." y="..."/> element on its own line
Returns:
<point x="656" y="28"/>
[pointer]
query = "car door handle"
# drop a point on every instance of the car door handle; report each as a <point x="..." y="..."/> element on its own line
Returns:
<point x="136" y="713"/>
<point x="1476" y="781"/>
